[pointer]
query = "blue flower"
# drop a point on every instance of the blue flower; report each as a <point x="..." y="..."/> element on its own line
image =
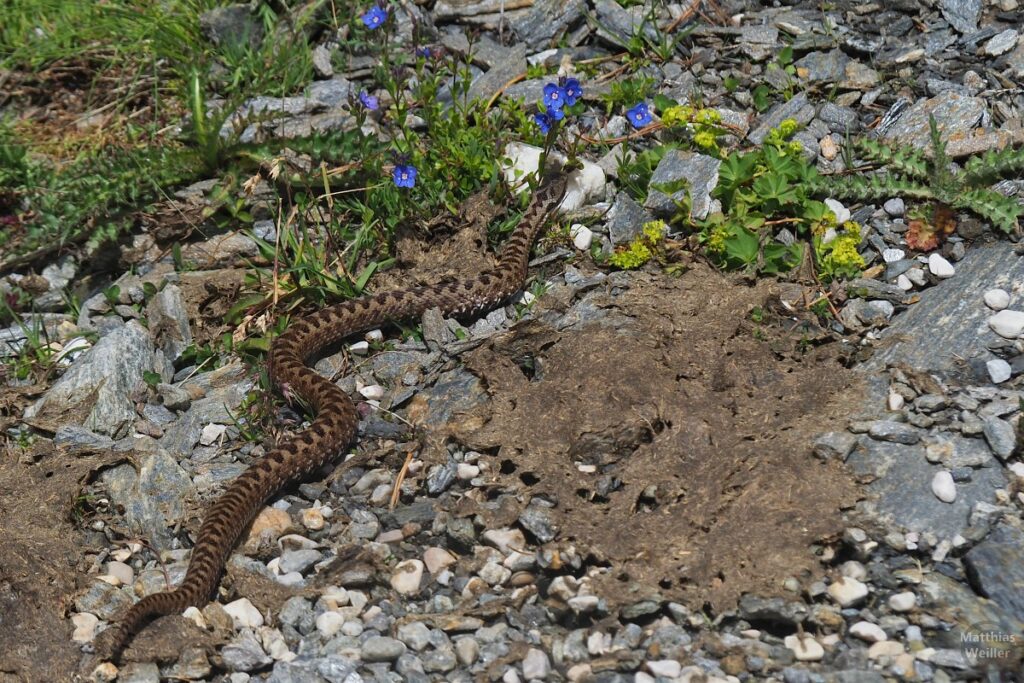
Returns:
<point x="369" y="101"/>
<point x="374" y="17"/>
<point x="555" y="99"/>
<point x="423" y="52"/>
<point x="639" y="115"/>
<point x="573" y="91"/>
<point x="543" y="121"/>
<point x="404" y="175"/>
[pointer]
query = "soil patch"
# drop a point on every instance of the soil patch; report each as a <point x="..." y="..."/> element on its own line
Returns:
<point x="672" y="436"/>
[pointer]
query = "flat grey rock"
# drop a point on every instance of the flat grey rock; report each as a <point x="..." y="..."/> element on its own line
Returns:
<point x="696" y="172"/>
<point x="901" y="494"/>
<point x="96" y="390"/>
<point x="962" y="15"/>
<point x="995" y="568"/>
<point x="947" y="328"/>
<point x="168" y="322"/>
<point x="154" y="495"/>
<point x="546" y="20"/>
<point x="955" y="115"/>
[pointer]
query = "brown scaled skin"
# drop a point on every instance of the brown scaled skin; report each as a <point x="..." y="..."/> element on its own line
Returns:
<point x="334" y="427"/>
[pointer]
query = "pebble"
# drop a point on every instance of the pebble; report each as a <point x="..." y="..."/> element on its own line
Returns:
<point x="847" y="591"/>
<point x="867" y="631"/>
<point x="407" y="576"/>
<point x="85" y="627"/>
<point x="896" y="401"/>
<point x="382" y="649"/>
<point x="313" y="519"/>
<point x="943" y="486"/>
<point x="998" y="370"/>
<point x="122" y="572"/>
<point x="885" y="648"/>
<point x="896" y="432"/>
<point x="536" y="664"/>
<point x="902" y="602"/>
<point x="467" y="650"/>
<point x="893" y="255"/>
<point x="895" y="207"/>
<point x="669" y="668"/>
<point x="211" y="434"/>
<point x="505" y="540"/>
<point x="1007" y="324"/>
<point x="904" y="283"/>
<point x="939" y="266"/>
<point x="997" y="299"/>
<point x="244" y="614"/>
<point x="372" y="392"/>
<point x="806" y="649"/>
<point x="268" y="526"/>
<point x="329" y="623"/>
<point x="582" y="236"/>
<point x="1000" y="436"/>
<point x="437" y="559"/>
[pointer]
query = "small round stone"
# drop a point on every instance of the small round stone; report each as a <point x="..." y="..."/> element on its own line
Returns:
<point x="407" y="576"/>
<point x="893" y="255"/>
<point x="847" y="591"/>
<point x="1008" y="324"/>
<point x="85" y="627"/>
<point x="903" y="602"/>
<point x="806" y="649"/>
<point x="437" y="559"/>
<point x="943" y="486"/>
<point x="244" y="614"/>
<point x="382" y="649"/>
<point x="997" y="299"/>
<point x="998" y="370"/>
<point x="313" y="519"/>
<point x="940" y="267"/>
<point x="582" y="236"/>
<point x="329" y="623"/>
<point x="867" y="631"/>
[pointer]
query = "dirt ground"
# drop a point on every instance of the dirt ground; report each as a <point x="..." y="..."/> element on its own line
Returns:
<point x="671" y="436"/>
<point x="692" y="426"/>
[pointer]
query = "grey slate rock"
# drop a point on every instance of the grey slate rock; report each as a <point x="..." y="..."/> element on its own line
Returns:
<point x="154" y="495"/>
<point x="1000" y="436"/>
<point x="919" y="340"/>
<point x="168" y="322"/>
<point x="546" y="20"/>
<point x="896" y="432"/>
<point x="995" y="568"/>
<point x="244" y="653"/>
<point x="955" y="114"/>
<point x="834" y="445"/>
<point x="626" y="219"/>
<point x="700" y="174"/>
<point x="96" y="390"/>
<point x="962" y="15"/>
<point x="798" y="108"/>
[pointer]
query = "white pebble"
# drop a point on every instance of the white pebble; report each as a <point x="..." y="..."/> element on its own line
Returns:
<point x="865" y="630"/>
<point x="891" y="255"/>
<point x="669" y="668"/>
<point x="806" y="649"/>
<point x="505" y="540"/>
<point x="1008" y="324"/>
<point x="313" y="519"/>
<point x="359" y="348"/>
<point x="903" y="602"/>
<point x="582" y="236"/>
<point x="466" y="471"/>
<point x="904" y="283"/>
<point x="329" y="623"/>
<point x="437" y="559"/>
<point x="193" y="614"/>
<point x="374" y="336"/>
<point x="847" y="591"/>
<point x="841" y="212"/>
<point x="244" y="614"/>
<point x="211" y="433"/>
<point x="536" y="665"/>
<point x="896" y="401"/>
<point x="999" y="370"/>
<point x="997" y="299"/>
<point x="406" y="577"/>
<point x="940" y="267"/>
<point x="886" y="648"/>
<point x="85" y="627"/>
<point x="943" y="486"/>
<point x="124" y="573"/>
<point x="373" y="392"/>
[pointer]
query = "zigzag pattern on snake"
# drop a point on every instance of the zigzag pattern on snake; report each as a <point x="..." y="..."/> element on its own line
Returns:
<point x="334" y="426"/>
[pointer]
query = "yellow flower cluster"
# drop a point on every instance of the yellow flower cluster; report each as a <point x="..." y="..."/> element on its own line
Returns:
<point x="640" y="250"/>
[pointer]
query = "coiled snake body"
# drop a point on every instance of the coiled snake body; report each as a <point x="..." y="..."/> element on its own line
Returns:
<point x="336" y="420"/>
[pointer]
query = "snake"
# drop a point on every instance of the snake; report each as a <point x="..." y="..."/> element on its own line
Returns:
<point x="334" y="426"/>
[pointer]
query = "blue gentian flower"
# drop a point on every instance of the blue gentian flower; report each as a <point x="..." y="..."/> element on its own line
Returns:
<point x="555" y="99"/>
<point x="369" y="101"/>
<point x="543" y="121"/>
<point x="639" y="115"/>
<point x="423" y="52"/>
<point x="573" y="91"/>
<point x="404" y="175"/>
<point x="374" y="17"/>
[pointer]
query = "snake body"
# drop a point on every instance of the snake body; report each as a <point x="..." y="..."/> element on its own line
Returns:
<point x="334" y="427"/>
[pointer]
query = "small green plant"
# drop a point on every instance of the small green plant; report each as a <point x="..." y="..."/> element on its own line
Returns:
<point x="647" y="245"/>
<point x="909" y="173"/>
